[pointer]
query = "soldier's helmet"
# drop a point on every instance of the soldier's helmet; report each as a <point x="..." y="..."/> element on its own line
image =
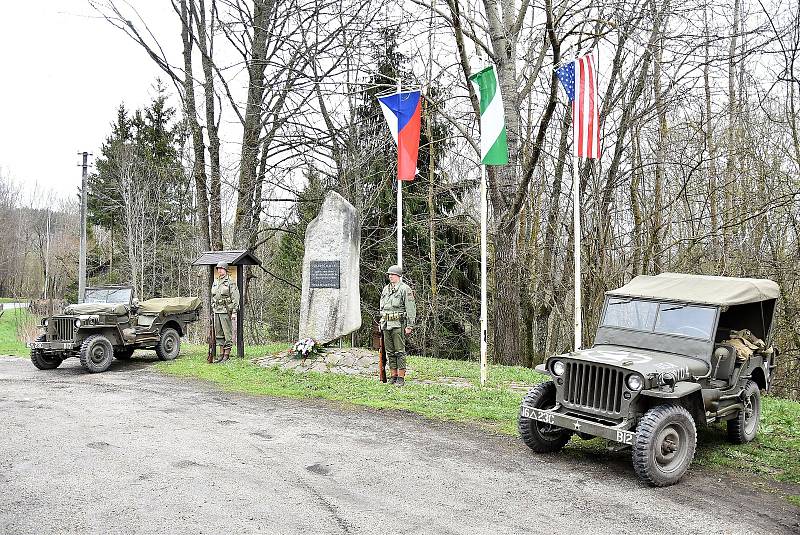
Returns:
<point x="395" y="270"/>
<point x="223" y="265"/>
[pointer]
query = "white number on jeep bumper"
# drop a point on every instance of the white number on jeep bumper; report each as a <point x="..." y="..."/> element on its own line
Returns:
<point x="542" y="416"/>
<point x="625" y="437"/>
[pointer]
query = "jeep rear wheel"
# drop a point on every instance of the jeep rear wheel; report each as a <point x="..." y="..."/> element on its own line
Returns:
<point x="96" y="353"/>
<point x="666" y="439"/>
<point x="42" y="360"/>
<point x="169" y="345"/>
<point x="744" y="427"/>
<point x="538" y="436"/>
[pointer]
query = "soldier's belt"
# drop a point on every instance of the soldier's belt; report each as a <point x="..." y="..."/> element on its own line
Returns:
<point x="394" y="316"/>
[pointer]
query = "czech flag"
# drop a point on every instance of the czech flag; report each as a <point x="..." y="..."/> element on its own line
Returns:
<point x="403" y="112"/>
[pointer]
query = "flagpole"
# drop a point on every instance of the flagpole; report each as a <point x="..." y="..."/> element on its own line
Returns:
<point x="400" y="223"/>
<point x="484" y="255"/>
<point x="576" y="219"/>
<point x="399" y="202"/>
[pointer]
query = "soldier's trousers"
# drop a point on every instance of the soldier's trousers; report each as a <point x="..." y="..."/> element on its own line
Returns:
<point x="394" y="344"/>
<point x="223" y="329"/>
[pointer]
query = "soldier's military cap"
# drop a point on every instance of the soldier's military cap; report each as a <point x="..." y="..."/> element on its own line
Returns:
<point x="395" y="270"/>
<point x="223" y="265"/>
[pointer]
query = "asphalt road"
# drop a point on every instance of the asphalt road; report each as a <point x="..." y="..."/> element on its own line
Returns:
<point x="133" y="451"/>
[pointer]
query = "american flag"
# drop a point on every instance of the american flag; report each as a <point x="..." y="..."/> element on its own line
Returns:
<point x="579" y="78"/>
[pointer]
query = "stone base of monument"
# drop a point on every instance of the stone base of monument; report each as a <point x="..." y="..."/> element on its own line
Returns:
<point x="346" y="361"/>
<point x="361" y="362"/>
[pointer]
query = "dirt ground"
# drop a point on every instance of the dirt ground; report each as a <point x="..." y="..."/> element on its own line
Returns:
<point x="134" y="451"/>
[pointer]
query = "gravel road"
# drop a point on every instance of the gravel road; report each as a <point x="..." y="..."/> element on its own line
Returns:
<point x="134" y="451"/>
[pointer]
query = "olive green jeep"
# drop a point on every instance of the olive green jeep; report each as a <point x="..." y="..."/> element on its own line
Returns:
<point x="672" y="352"/>
<point x="111" y="323"/>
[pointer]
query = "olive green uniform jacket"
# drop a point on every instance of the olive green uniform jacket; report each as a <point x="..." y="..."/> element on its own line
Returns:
<point x="398" y="308"/>
<point x="224" y="302"/>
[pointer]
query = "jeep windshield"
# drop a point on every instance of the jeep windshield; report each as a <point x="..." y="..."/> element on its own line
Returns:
<point x="108" y="295"/>
<point x="692" y="321"/>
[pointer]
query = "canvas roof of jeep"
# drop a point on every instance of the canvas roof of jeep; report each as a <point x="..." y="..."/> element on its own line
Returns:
<point x="702" y="289"/>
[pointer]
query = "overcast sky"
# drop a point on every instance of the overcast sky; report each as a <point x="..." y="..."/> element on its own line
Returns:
<point x="64" y="73"/>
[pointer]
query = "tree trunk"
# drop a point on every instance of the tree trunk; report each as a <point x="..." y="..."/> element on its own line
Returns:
<point x="710" y="145"/>
<point x="242" y="229"/>
<point x="545" y="280"/>
<point x="654" y="245"/>
<point x="434" y="298"/>
<point x="205" y="41"/>
<point x="730" y="165"/>
<point x="198" y="144"/>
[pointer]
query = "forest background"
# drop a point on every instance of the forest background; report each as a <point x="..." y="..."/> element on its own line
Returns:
<point x="271" y="104"/>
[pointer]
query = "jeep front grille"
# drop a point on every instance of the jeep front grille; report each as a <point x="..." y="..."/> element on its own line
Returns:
<point x="594" y="387"/>
<point x="63" y="328"/>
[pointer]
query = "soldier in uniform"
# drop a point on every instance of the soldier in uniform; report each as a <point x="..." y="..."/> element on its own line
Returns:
<point x="224" y="305"/>
<point x="398" y="314"/>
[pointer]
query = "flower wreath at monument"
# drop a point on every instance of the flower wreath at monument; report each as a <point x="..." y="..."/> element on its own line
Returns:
<point x="306" y="347"/>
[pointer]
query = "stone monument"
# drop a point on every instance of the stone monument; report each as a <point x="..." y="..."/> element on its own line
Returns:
<point x="330" y="305"/>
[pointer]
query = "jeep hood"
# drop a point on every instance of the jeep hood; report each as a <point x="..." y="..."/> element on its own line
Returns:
<point x="118" y="309"/>
<point x="640" y="360"/>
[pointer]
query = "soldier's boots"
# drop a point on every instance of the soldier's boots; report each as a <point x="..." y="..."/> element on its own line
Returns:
<point x="392" y="380"/>
<point x="400" y="381"/>
<point x="226" y="354"/>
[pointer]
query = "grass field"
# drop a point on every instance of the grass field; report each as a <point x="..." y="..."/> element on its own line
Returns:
<point x="15" y="325"/>
<point x="775" y="454"/>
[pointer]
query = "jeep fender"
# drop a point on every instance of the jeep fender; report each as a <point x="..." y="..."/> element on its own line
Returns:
<point x="685" y="394"/>
<point x="681" y="389"/>
<point x="174" y="323"/>
<point x="113" y="334"/>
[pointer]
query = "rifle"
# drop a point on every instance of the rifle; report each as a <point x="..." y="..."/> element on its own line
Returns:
<point x="381" y="360"/>
<point x="212" y="341"/>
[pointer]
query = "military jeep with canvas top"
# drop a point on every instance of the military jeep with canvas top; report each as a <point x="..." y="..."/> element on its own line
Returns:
<point x="672" y="351"/>
<point x="111" y="323"/>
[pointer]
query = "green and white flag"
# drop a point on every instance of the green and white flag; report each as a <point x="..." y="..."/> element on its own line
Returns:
<point x="494" y="147"/>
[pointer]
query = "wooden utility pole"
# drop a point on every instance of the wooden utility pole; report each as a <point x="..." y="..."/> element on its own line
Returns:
<point x="82" y="256"/>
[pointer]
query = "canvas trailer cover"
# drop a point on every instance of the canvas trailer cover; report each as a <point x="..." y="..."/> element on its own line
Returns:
<point x="701" y="289"/>
<point x="169" y="305"/>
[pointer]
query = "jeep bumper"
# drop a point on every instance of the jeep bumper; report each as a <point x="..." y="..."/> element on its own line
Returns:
<point x="578" y="425"/>
<point x="52" y="346"/>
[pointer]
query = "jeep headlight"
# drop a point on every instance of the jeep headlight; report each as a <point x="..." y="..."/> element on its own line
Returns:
<point x="558" y="368"/>
<point x="77" y="324"/>
<point x="634" y="382"/>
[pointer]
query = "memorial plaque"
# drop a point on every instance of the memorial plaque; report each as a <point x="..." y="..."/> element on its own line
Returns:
<point x="324" y="274"/>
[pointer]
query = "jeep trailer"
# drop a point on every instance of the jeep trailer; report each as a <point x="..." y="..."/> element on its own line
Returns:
<point x="110" y="324"/>
<point x="672" y="352"/>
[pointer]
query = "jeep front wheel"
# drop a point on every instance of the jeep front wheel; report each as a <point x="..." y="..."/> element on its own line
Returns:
<point x="538" y="436"/>
<point x="169" y="345"/>
<point x="744" y="427"/>
<point x="96" y="353"/>
<point x="42" y="360"/>
<point x="666" y="439"/>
